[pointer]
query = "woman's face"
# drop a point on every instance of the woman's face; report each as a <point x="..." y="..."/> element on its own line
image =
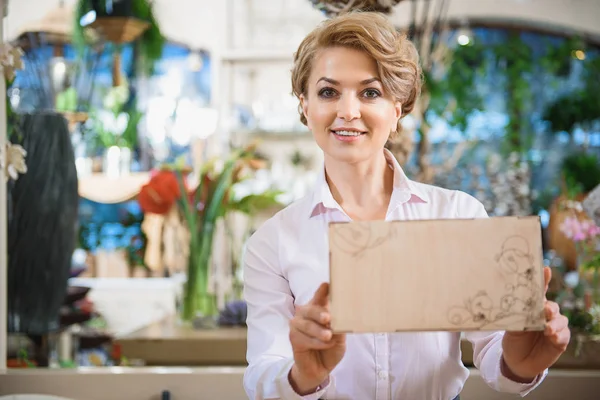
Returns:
<point x="348" y="112"/>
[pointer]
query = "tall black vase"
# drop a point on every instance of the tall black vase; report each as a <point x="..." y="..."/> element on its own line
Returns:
<point x="42" y="225"/>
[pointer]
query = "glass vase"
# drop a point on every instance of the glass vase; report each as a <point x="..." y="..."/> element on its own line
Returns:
<point x="199" y="306"/>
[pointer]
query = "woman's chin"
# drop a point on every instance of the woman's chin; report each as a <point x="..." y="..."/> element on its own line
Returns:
<point x="348" y="155"/>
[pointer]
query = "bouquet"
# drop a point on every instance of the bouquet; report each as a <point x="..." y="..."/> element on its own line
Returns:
<point x="201" y="206"/>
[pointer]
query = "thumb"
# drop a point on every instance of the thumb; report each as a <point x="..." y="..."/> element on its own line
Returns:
<point x="547" y="278"/>
<point x="321" y="296"/>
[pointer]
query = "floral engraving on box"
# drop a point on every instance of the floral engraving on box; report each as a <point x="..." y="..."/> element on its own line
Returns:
<point x="518" y="305"/>
<point x="356" y="238"/>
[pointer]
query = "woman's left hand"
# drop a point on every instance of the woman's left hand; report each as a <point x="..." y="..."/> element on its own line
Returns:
<point x="528" y="354"/>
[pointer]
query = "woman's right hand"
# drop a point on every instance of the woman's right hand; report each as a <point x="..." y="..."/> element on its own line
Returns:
<point x="316" y="349"/>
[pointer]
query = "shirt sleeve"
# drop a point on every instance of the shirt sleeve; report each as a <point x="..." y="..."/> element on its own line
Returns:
<point x="487" y="346"/>
<point x="487" y="357"/>
<point x="270" y="308"/>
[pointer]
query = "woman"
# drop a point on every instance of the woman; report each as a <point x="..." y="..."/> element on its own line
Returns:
<point x="356" y="77"/>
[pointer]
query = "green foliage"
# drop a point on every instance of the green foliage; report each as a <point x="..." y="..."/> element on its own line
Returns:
<point x="106" y="138"/>
<point x="581" y="173"/>
<point x="152" y="42"/>
<point x="581" y="321"/>
<point x="456" y="86"/>
<point x="566" y="112"/>
<point x="79" y="37"/>
<point x="514" y="60"/>
<point x="591" y="263"/>
<point x="558" y="58"/>
<point x="580" y="107"/>
<point x="118" y="103"/>
<point x="67" y="100"/>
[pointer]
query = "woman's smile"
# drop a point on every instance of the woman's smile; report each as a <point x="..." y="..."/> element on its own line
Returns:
<point x="348" y="135"/>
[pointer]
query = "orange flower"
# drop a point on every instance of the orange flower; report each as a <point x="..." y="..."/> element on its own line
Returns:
<point x="160" y="193"/>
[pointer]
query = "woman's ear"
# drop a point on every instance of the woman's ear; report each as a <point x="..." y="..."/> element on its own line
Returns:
<point x="398" y="109"/>
<point x="304" y="106"/>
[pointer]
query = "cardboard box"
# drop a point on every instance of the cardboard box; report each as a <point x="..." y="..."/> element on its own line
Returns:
<point x="437" y="275"/>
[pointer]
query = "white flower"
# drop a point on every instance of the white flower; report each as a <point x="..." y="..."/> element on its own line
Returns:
<point x="595" y="313"/>
<point x="116" y="96"/>
<point x="571" y="279"/>
<point x="524" y="189"/>
<point x="113" y="124"/>
<point x="10" y="59"/>
<point x="501" y="209"/>
<point x="513" y="158"/>
<point x="14" y="163"/>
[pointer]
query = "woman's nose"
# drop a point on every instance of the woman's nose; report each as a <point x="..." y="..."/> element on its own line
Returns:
<point x="348" y="108"/>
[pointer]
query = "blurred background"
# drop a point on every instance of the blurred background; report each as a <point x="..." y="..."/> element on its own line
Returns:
<point x="146" y="140"/>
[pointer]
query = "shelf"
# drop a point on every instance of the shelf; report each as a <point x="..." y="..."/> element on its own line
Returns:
<point x="103" y="188"/>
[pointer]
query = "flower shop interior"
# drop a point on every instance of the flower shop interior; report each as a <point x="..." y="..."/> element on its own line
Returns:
<point x="113" y="286"/>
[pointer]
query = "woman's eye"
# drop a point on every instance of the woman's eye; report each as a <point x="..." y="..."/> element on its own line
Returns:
<point x="327" y="92"/>
<point x="371" y="93"/>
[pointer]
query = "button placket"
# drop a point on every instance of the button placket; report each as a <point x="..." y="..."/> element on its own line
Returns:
<point x="382" y="366"/>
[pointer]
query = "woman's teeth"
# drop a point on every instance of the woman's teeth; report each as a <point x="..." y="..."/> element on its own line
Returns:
<point x="347" y="133"/>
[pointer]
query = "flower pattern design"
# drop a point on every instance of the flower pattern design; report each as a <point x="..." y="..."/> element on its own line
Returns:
<point x="358" y="237"/>
<point x="519" y="303"/>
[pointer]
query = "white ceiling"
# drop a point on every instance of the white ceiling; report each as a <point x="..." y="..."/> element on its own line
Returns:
<point x="205" y="23"/>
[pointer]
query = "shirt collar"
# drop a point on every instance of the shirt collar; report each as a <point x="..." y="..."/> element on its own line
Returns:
<point x="404" y="189"/>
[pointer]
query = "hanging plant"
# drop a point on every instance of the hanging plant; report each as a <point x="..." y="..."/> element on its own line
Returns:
<point x="150" y="41"/>
<point x="332" y="8"/>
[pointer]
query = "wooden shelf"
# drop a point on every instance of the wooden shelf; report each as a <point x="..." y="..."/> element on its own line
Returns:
<point x="168" y="343"/>
<point x="103" y="188"/>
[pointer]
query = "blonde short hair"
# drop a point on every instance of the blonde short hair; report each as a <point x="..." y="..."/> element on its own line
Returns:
<point x="396" y="57"/>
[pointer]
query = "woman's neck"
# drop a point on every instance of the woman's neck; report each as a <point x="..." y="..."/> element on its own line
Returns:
<point x="363" y="189"/>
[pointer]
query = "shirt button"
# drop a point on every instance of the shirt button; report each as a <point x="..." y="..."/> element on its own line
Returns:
<point x="383" y="375"/>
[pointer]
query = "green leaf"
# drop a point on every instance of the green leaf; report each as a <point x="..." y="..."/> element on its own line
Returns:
<point x="253" y="203"/>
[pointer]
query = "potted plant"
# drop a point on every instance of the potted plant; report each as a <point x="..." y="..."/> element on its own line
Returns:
<point x="114" y="129"/>
<point x="120" y="22"/>
<point x="580" y="173"/>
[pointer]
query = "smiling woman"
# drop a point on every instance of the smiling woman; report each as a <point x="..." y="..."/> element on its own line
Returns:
<point x="355" y="77"/>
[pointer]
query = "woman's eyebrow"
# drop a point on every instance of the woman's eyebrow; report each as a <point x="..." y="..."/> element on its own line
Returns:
<point x="367" y="81"/>
<point x="329" y="80"/>
<point x="334" y="82"/>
